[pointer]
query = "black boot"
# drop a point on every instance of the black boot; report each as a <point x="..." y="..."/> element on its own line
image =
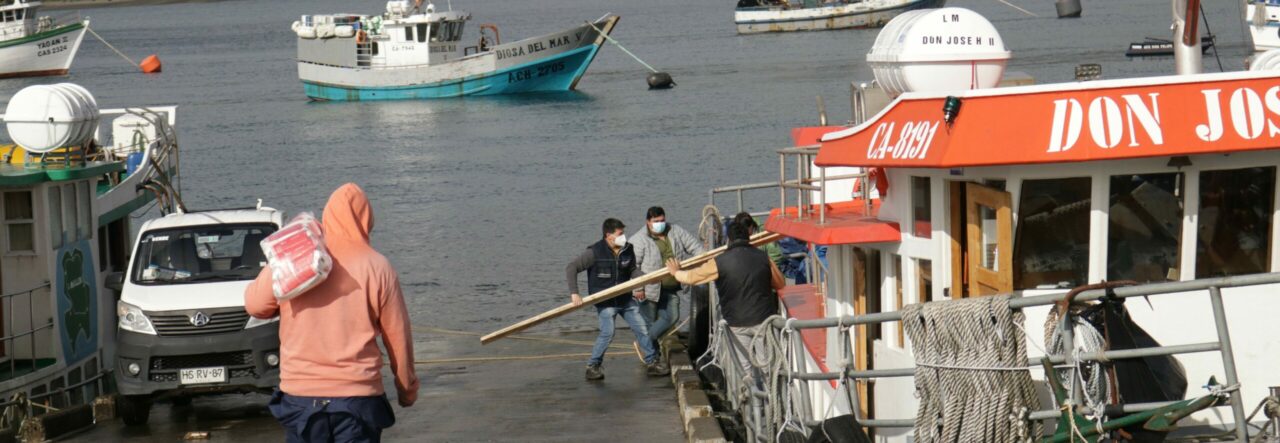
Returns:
<point x="594" y="373"/>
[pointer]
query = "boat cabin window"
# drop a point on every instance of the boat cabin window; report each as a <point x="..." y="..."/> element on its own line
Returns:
<point x="1051" y="245"/>
<point x="19" y="221"/>
<point x="447" y="31"/>
<point x="921" y="208"/>
<point x="924" y="279"/>
<point x="1234" y="229"/>
<point x="422" y="32"/>
<point x="408" y="33"/>
<point x="1144" y="238"/>
<point x="84" y="226"/>
<point x="55" y="217"/>
<point x="200" y="253"/>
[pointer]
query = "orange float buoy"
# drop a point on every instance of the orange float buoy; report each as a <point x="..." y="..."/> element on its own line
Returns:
<point x="151" y="64"/>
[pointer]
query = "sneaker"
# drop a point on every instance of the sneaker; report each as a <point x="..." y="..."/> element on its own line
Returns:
<point x="594" y="373"/>
<point x="657" y="369"/>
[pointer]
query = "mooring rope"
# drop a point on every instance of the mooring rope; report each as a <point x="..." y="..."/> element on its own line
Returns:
<point x="971" y="376"/>
<point x="1092" y="377"/>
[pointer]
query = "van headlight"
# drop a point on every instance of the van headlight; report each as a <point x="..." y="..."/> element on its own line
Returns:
<point x="132" y="319"/>
<point x="255" y="321"/>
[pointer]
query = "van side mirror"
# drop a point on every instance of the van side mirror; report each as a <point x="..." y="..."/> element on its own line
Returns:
<point x="115" y="281"/>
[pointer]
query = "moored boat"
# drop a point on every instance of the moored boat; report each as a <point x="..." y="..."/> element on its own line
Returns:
<point x="33" y="45"/>
<point x="66" y="194"/>
<point x="971" y="283"/>
<point x="758" y="16"/>
<point x="414" y="51"/>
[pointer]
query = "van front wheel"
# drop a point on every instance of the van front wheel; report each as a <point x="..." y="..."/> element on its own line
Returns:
<point x="134" y="410"/>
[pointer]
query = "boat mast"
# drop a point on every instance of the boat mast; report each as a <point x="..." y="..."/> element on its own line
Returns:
<point x="1186" y="38"/>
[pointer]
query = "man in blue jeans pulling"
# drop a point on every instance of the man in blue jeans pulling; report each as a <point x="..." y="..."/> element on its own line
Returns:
<point x="610" y="262"/>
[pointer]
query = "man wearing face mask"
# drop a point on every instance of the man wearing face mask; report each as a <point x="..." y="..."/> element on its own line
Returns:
<point x="610" y="262"/>
<point x="656" y="243"/>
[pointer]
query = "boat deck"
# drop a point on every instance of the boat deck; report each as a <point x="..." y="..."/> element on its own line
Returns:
<point x="469" y="393"/>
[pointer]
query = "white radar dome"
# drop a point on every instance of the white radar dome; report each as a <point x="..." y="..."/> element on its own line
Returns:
<point x="43" y="118"/>
<point x="938" y="50"/>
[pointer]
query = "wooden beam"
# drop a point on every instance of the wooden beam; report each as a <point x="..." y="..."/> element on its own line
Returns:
<point x="761" y="238"/>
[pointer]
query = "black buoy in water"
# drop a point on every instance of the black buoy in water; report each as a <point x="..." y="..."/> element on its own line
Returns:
<point x="660" y="80"/>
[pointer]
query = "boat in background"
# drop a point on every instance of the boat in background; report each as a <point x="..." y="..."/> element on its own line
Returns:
<point x="32" y="45"/>
<point x="759" y="16"/>
<point x="1154" y="47"/>
<point x="416" y="52"/>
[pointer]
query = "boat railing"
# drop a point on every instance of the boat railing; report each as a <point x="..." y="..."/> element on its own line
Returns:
<point x="365" y="56"/>
<point x="22" y="328"/>
<point x="756" y="391"/>
<point x="805" y="185"/>
<point x="49" y="22"/>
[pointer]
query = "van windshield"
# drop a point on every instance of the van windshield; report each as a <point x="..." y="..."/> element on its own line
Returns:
<point x="200" y="254"/>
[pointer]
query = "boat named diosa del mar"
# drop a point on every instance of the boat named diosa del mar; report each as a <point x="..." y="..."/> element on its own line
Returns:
<point x="33" y="45"/>
<point x="757" y="16"/>
<point x="414" y="51"/>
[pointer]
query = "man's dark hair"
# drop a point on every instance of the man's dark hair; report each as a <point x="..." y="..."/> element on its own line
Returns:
<point x="654" y="211"/>
<point x="610" y="225"/>
<point x="746" y="219"/>
<point x="739" y="231"/>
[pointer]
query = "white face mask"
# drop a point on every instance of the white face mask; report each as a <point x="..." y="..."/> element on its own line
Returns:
<point x="659" y="227"/>
<point x="620" y="240"/>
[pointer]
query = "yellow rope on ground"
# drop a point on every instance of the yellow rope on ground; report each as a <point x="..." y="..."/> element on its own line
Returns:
<point x="429" y="329"/>
<point x="511" y="358"/>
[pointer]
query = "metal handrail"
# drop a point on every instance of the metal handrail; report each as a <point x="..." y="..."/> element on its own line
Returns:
<point x="15" y="294"/>
<point x="1223" y="346"/>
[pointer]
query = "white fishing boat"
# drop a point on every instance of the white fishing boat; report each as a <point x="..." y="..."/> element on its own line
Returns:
<point x="414" y="51"/>
<point x="67" y="191"/>
<point x="1081" y="261"/>
<point x="1263" y="18"/>
<point x="757" y="16"/>
<point x="33" y="45"/>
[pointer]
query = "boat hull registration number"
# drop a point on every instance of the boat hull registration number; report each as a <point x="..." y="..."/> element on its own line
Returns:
<point x="203" y="375"/>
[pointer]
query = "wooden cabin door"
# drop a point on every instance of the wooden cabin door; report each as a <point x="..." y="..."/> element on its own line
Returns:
<point x="988" y="240"/>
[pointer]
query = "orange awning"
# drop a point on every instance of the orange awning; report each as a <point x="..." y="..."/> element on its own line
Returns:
<point x="1067" y="122"/>
<point x="847" y="223"/>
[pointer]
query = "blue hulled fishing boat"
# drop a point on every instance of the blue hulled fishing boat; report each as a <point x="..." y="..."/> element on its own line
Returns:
<point x="414" y="51"/>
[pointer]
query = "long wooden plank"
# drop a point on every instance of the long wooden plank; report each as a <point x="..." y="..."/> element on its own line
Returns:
<point x="760" y="238"/>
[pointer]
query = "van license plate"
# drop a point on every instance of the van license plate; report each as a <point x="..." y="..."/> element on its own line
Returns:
<point x="203" y="375"/>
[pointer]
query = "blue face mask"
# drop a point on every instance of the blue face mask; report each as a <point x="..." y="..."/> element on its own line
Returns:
<point x="659" y="227"/>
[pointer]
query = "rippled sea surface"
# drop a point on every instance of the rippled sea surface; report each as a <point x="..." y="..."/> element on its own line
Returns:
<point x="480" y="202"/>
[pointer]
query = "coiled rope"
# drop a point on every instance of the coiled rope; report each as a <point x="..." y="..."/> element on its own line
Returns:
<point x="971" y="376"/>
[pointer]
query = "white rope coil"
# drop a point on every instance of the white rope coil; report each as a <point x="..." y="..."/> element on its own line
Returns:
<point x="970" y="378"/>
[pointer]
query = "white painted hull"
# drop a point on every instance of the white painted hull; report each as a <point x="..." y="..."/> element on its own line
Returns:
<point x="867" y="14"/>
<point x="47" y="53"/>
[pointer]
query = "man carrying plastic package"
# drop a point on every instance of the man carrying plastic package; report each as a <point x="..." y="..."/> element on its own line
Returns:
<point x="330" y="370"/>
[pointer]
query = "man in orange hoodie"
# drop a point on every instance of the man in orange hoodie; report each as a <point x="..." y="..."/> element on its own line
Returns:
<point x="330" y="370"/>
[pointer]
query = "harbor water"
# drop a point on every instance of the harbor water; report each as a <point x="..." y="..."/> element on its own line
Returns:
<point x="480" y="202"/>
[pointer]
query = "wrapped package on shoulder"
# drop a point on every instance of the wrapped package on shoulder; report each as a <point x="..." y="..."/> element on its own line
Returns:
<point x="297" y="257"/>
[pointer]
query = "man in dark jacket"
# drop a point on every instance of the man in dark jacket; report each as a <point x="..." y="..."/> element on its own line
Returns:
<point x="746" y="282"/>
<point x="610" y="262"/>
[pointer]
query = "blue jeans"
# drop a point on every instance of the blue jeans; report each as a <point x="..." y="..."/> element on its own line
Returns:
<point x="662" y="315"/>
<point x="630" y="311"/>
<point x="331" y="419"/>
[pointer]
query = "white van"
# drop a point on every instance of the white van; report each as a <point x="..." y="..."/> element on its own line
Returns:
<point x="182" y="328"/>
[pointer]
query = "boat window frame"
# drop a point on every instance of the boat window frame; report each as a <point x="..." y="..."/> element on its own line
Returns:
<point x="56" y="224"/>
<point x="1199" y="224"/>
<point x="9" y="224"/>
<point x="423" y="31"/>
<point x="1020" y="242"/>
<point x="1180" y="193"/>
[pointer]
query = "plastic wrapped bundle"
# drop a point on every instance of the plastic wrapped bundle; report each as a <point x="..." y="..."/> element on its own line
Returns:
<point x="297" y="257"/>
